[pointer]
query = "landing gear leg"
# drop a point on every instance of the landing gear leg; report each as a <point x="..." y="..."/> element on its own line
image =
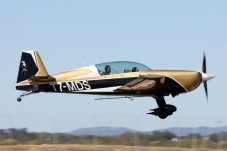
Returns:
<point x="24" y="94"/>
<point x="35" y="89"/>
<point x="160" y="101"/>
<point x="163" y="110"/>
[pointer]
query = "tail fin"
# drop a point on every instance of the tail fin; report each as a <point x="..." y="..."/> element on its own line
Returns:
<point x="31" y="65"/>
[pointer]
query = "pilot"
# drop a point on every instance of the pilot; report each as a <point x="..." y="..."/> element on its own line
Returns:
<point x="107" y="70"/>
<point x="135" y="69"/>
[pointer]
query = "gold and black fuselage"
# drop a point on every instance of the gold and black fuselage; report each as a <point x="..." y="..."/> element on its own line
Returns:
<point x="174" y="83"/>
<point x="120" y="78"/>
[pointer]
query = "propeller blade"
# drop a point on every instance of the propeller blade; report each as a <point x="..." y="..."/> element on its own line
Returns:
<point x="204" y="63"/>
<point x="206" y="89"/>
<point x="205" y="76"/>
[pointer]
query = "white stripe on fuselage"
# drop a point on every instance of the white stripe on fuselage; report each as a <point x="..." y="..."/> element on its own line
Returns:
<point x="108" y="89"/>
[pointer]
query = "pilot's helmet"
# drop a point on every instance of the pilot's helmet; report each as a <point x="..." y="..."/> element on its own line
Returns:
<point x="107" y="68"/>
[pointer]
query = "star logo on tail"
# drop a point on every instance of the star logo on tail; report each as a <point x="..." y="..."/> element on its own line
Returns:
<point x="24" y="66"/>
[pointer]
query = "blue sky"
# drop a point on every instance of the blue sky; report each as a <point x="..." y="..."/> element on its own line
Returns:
<point x="69" y="34"/>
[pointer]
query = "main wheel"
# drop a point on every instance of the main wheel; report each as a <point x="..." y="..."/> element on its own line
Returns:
<point x="19" y="99"/>
<point x="172" y="107"/>
<point x="163" y="116"/>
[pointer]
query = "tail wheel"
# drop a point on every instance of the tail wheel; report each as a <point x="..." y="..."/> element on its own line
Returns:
<point x="19" y="99"/>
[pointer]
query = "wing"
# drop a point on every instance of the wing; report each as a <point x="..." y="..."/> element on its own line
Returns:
<point x="143" y="83"/>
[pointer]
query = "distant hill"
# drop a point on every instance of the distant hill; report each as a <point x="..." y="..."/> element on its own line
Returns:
<point x="115" y="131"/>
<point x="102" y="131"/>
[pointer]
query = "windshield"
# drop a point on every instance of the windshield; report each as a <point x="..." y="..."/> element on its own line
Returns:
<point x="120" y="67"/>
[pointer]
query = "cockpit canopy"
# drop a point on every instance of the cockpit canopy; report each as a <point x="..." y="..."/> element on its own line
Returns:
<point x="118" y="67"/>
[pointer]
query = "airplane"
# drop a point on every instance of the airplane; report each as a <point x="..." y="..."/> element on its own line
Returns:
<point x="119" y="79"/>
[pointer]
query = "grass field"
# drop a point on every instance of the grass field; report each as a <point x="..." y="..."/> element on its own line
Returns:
<point x="89" y="148"/>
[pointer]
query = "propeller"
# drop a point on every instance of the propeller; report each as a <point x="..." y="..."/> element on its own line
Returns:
<point x="205" y="76"/>
<point x="204" y="71"/>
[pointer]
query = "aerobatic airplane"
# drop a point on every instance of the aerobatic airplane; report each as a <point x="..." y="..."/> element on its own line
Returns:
<point x="116" y="79"/>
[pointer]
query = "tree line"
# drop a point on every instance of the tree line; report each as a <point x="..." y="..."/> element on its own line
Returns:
<point x="157" y="138"/>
